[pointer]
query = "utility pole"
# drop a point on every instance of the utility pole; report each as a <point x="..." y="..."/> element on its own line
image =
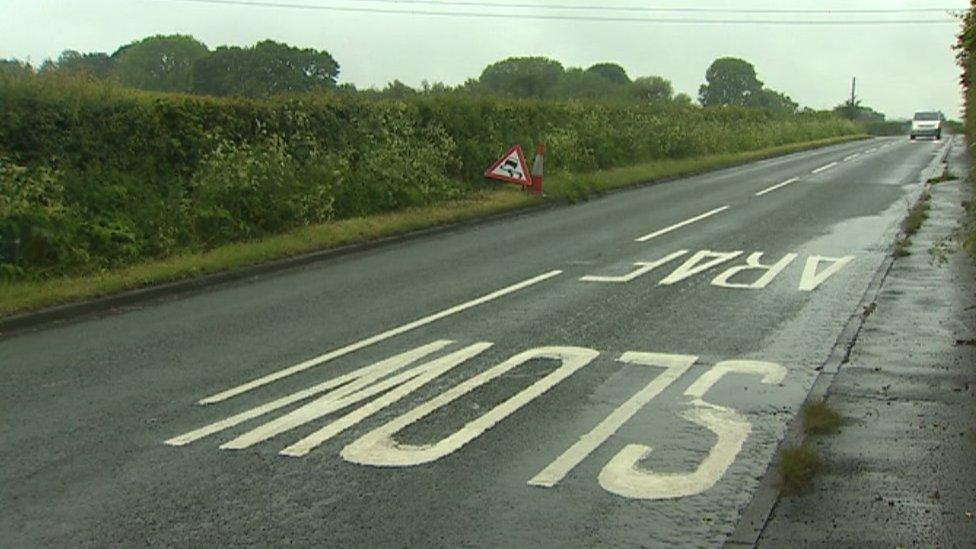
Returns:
<point x="853" y="88"/>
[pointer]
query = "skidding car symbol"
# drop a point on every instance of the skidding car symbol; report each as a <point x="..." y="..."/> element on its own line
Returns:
<point x="511" y="166"/>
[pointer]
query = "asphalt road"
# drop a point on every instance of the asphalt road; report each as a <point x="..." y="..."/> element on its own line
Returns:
<point x="564" y="378"/>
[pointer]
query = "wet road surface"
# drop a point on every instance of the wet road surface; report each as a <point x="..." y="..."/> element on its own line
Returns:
<point x="615" y="373"/>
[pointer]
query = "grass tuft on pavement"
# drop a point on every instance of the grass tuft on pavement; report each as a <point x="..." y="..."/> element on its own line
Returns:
<point x="22" y="296"/>
<point x="901" y="247"/>
<point x="946" y="176"/>
<point x="819" y="418"/>
<point x="917" y="215"/>
<point x="797" y="466"/>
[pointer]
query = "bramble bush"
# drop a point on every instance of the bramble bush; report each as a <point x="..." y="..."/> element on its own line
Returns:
<point x="94" y="177"/>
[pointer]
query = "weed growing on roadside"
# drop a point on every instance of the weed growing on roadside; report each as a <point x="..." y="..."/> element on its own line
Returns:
<point x="946" y="176"/>
<point x="901" y="247"/>
<point x="940" y="250"/>
<point x="917" y="215"/>
<point x="818" y="417"/>
<point x="797" y="466"/>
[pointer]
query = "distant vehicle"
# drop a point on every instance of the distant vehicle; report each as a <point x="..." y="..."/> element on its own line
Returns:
<point x="927" y="124"/>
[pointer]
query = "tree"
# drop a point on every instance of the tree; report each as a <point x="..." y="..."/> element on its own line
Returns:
<point x="263" y="70"/>
<point x="854" y="110"/>
<point x="72" y="62"/>
<point x="472" y="86"/>
<point x="579" y="84"/>
<point x="730" y="81"/>
<point x="159" y="63"/>
<point x="773" y="101"/>
<point x="534" y="77"/>
<point x="612" y="72"/>
<point x="398" y="90"/>
<point x="12" y="68"/>
<point x="437" y="88"/>
<point x="651" y="89"/>
<point x="682" y="99"/>
<point x="849" y="109"/>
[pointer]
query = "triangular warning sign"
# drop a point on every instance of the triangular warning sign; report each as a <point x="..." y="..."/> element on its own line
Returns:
<point x="511" y="168"/>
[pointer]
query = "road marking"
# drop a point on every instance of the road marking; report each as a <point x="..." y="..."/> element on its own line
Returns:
<point x="349" y="383"/>
<point x="404" y="386"/>
<point x="623" y="477"/>
<point x="851" y="157"/>
<point x="700" y="262"/>
<point x="704" y="260"/>
<point x="777" y="186"/>
<point x="676" y="366"/>
<point x="666" y="230"/>
<point x="643" y="268"/>
<point x="752" y="263"/>
<point x="378" y="447"/>
<point x="870" y="151"/>
<point x="321" y="359"/>
<point x="824" y="168"/>
<point x="810" y="279"/>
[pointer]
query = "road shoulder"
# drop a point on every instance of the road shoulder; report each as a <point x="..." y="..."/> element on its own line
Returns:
<point x="900" y="470"/>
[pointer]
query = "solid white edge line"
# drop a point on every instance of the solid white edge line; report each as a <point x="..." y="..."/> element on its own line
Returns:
<point x="666" y="230"/>
<point x="777" y="186"/>
<point x="824" y="168"/>
<point x="310" y="363"/>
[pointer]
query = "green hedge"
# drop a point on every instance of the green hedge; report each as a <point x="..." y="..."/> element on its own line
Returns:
<point x="887" y="128"/>
<point x="95" y="177"/>
<point x="966" y="56"/>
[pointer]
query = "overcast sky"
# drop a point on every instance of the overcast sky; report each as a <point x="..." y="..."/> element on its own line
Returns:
<point x="899" y="68"/>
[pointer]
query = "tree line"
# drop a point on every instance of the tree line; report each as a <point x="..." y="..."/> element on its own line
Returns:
<point x="181" y="63"/>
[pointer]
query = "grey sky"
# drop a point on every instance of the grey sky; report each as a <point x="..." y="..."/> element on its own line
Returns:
<point x="900" y="68"/>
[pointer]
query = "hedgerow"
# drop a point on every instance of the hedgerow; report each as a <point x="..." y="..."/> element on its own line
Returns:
<point x="95" y="177"/>
<point x="966" y="57"/>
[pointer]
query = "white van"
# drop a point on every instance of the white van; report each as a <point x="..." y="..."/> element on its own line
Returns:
<point x="927" y="124"/>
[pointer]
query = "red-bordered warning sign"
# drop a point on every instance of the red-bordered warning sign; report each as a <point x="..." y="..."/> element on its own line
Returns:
<point x="511" y="168"/>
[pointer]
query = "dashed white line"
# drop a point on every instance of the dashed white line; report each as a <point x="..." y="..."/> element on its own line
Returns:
<point x="824" y="168"/>
<point x="311" y="363"/>
<point x="851" y="157"/>
<point x="777" y="186"/>
<point x="870" y="151"/>
<point x="666" y="230"/>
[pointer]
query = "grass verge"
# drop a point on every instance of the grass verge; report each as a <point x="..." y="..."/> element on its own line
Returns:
<point x="797" y="465"/>
<point x="18" y="297"/>
<point x="575" y="187"/>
